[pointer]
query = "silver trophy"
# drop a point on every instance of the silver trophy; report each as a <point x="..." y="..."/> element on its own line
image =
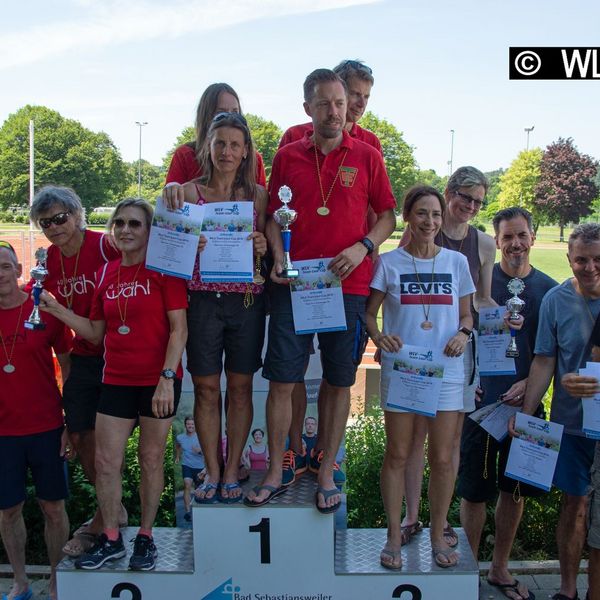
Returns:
<point x="39" y="273"/>
<point x="515" y="307"/>
<point x="285" y="216"/>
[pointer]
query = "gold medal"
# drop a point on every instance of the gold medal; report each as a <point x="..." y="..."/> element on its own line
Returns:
<point x="427" y="325"/>
<point x="323" y="211"/>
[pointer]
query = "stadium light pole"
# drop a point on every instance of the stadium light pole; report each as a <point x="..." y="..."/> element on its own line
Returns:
<point x="140" y="124"/>
<point x="451" y="150"/>
<point x="528" y="130"/>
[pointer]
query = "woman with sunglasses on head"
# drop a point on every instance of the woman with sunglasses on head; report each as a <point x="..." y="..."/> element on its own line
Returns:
<point x="140" y="316"/>
<point x="225" y="318"/>
<point x="74" y="255"/>
<point x="185" y="164"/>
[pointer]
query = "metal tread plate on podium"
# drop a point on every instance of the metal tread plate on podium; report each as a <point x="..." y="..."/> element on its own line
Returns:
<point x="175" y="551"/>
<point x="357" y="553"/>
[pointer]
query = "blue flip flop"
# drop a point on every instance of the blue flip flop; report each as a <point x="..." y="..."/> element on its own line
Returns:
<point x="327" y="494"/>
<point x="24" y="596"/>
<point x="273" y="492"/>
<point x="229" y="487"/>
<point x="207" y="487"/>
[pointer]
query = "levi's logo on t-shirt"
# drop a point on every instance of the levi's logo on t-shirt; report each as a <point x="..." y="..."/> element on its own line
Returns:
<point x="429" y="288"/>
<point x="128" y="290"/>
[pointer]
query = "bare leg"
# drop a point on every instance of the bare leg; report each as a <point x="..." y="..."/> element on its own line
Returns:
<point x="298" y="415"/>
<point x="324" y="418"/>
<point x="56" y="533"/>
<point x="151" y="454"/>
<point x="413" y="475"/>
<point x="14" y="536"/>
<point x="472" y="518"/>
<point x="239" y="419"/>
<point x="279" y="418"/>
<point x="207" y="418"/>
<point x="112" y="434"/>
<point x="570" y="539"/>
<point x="188" y="486"/>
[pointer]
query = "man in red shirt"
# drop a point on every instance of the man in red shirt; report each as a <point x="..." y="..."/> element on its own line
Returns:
<point x="32" y="435"/>
<point x="334" y="179"/>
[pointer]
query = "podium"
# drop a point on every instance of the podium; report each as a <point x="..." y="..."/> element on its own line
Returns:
<point x="285" y="550"/>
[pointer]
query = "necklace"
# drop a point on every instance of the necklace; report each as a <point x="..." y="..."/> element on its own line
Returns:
<point x="426" y="323"/>
<point x="9" y="367"/>
<point x="449" y="238"/>
<point x="69" y="298"/>
<point x="323" y="211"/>
<point x="123" y="328"/>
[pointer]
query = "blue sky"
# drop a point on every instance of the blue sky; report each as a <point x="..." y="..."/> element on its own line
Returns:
<point x="438" y="65"/>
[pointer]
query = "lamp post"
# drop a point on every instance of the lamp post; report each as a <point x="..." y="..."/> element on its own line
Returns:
<point x="140" y="124"/>
<point x="528" y="130"/>
<point x="451" y="151"/>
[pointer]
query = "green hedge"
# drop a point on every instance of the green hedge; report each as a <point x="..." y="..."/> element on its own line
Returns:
<point x="97" y="218"/>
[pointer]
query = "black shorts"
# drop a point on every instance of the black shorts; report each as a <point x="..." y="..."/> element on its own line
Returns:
<point x="132" y="401"/>
<point x="472" y="485"/>
<point x="288" y="353"/>
<point x="219" y="322"/>
<point x="39" y="452"/>
<point x="81" y="392"/>
<point x="190" y="473"/>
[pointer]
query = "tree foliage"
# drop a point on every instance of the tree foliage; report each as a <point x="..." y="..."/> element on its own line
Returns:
<point x="398" y="155"/>
<point x="566" y="187"/>
<point x="266" y="135"/>
<point x="430" y="177"/>
<point x="153" y="179"/>
<point x="66" y="153"/>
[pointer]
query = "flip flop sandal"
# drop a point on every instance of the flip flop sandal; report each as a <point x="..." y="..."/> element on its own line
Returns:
<point x="273" y="493"/>
<point x="408" y="531"/>
<point x="450" y="533"/>
<point x="230" y="487"/>
<point x="22" y="596"/>
<point x="394" y="555"/>
<point x="79" y="543"/>
<point x="326" y="495"/>
<point x="447" y="553"/>
<point x="513" y="587"/>
<point x="207" y="487"/>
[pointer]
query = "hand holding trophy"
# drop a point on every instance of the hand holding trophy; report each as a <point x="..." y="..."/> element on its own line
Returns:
<point x="515" y="307"/>
<point x="39" y="273"/>
<point x="285" y="216"/>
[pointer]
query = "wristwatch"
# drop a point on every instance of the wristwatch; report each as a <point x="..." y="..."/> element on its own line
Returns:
<point x="368" y="244"/>
<point x="467" y="332"/>
<point x="168" y="373"/>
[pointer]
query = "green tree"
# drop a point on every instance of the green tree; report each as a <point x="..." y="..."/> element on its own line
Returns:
<point x="398" y="155"/>
<point x="66" y="153"/>
<point x="430" y="177"/>
<point x="153" y="179"/>
<point x="566" y="188"/>
<point x="266" y="136"/>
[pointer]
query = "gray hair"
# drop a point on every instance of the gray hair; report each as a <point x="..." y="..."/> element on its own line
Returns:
<point x="507" y="214"/>
<point x="467" y="177"/>
<point x="52" y="195"/>
<point x="588" y="233"/>
<point x="320" y="76"/>
<point x="354" y="68"/>
<point x="140" y="203"/>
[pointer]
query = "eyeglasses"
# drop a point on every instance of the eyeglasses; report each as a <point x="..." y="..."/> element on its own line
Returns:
<point x="230" y="115"/>
<point x="469" y="199"/>
<point x="4" y="244"/>
<point x="57" y="219"/>
<point x="131" y="223"/>
<point x="358" y="66"/>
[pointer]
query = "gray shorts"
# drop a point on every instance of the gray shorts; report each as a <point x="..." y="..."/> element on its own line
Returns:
<point x="594" y="505"/>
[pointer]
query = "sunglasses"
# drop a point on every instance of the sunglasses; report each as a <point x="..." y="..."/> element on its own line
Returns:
<point x="469" y="199"/>
<point x="57" y="219"/>
<point x="358" y="66"/>
<point x="230" y="115"/>
<point x="131" y="223"/>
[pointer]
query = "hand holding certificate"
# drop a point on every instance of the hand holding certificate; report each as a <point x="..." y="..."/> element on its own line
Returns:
<point x="591" y="405"/>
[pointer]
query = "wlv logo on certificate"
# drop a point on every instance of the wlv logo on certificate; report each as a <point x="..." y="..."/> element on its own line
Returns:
<point x="415" y="379"/>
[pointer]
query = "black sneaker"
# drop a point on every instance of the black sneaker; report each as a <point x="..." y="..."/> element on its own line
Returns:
<point x="103" y="551"/>
<point x="144" y="554"/>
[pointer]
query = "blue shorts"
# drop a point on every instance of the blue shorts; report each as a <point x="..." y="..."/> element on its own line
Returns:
<point x="572" y="474"/>
<point x="38" y="452"/>
<point x="288" y="353"/>
<point x="192" y="473"/>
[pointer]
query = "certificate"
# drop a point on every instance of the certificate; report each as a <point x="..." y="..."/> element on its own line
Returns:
<point x="494" y="418"/>
<point x="532" y="457"/>
<point x="591" y="406"/>
<point x="493" y="339"/>
<point x="317" y="300"/>
<point x="173" y="241"/>
<point x="228" y="254"/>
<point x="416" y="375"/>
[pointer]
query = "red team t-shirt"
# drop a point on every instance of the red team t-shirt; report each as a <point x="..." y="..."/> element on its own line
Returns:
<point x="30" y="401"/>
<point x="78" y="284"/>
<point x="361" y="181"/>
<point x="138" y="357"/>
<point x="184" y="167"/>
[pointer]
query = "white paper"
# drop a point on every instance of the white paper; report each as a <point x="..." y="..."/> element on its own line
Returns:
<point x="228" y="254"/>
<point x="173" y="241"/>
<point x="416" y="375"/>
<point x="533" y="455"/>
<point x="494" y="418"/>
<point x="591" y="406"/>
<point x="492" y="341"/>
<point x="317" y="299"/>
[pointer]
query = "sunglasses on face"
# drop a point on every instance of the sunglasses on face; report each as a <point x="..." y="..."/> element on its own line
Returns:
<point x="131" y="223"/>
<point x="469" y="199"/>
<point x="358" y="66"/>
<point x="57" y="219"/>
<point x="230" y="115"/>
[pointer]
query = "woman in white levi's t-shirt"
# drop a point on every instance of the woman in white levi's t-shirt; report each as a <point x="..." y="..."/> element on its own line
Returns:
<point x="426" y="294"/>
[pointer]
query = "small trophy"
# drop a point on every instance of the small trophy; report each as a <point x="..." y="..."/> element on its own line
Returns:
<point x="515" y="307"/>
<point x="39" y="273"/>
<point x="285" y="216"/>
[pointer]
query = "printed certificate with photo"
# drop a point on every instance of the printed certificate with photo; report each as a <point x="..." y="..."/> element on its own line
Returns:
<point x="416" y="375"/>
<point x="173" y="241"/>
<point x="591" y="406"/>
<point x="317" y="299"/>
<point x="533" y="455"/>
<point x="494" y="418"/>
<point x="228" y="254"/>
<point x="492" y="341"/>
